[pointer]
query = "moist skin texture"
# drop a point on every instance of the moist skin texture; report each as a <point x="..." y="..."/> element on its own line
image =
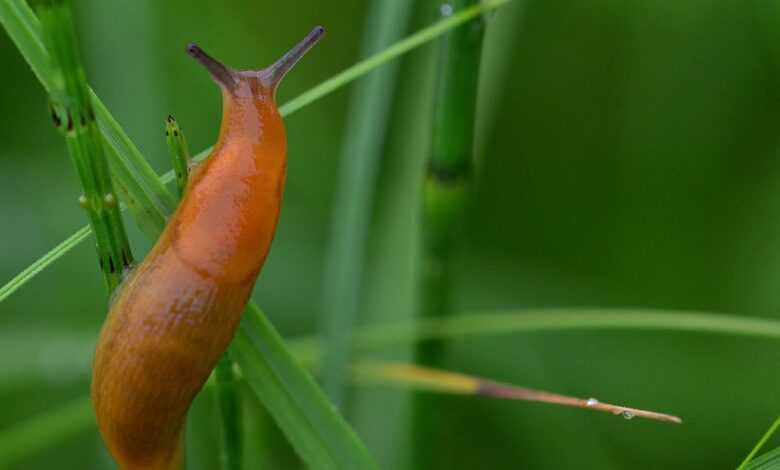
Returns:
<point x="176" y="314"/>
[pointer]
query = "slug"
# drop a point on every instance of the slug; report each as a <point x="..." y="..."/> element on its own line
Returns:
<point x="177" y="312"/>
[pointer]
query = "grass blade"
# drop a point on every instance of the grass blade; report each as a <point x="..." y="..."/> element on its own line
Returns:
<point x="767" y="435"/>
<point x="368" y="113"/>
<point x="291" y="396"/>
<point x="307" y="351"/>
<point x="41" y="263"/>
<point x="437" y="380"/>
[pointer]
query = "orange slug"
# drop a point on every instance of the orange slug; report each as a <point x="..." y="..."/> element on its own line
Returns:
<point x="176" y="314"/>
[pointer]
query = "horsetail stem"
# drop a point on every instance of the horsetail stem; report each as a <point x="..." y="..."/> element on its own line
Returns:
<point x="179" y="153"/>
<point x="444" y="201"/>
<point x="73" y="115"/>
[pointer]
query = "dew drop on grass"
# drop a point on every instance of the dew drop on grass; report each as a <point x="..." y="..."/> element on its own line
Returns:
<point x="627" y="414"/>
<point x="445" y="9"/>
<point x="591" y="402"/>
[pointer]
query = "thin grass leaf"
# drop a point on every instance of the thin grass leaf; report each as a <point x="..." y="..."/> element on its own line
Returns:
<point x="442" y="381"/>
<point x="768" y="461"/>
<point x="308" y="351"/>
<point x="767" y="435"/>
<point x="21" y="25"/>
<point x="368" y="114"/>
<point x="41" y="263"/>
<point x="298" y="406"/>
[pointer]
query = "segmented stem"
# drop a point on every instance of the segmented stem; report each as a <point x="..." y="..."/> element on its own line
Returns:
<point x="444" y="201"/>
<point x="73" y="114"/>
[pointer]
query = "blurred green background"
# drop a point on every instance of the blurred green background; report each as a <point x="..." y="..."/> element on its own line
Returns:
<point x="627" y="154"/>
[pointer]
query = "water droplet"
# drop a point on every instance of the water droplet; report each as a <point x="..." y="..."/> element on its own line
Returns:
<point x="591" y="402"/>
<point x="83" y="201"/>
<point x="109" y="200"/>
<point x="627" y="414"/>
<point x="445" y="9"/>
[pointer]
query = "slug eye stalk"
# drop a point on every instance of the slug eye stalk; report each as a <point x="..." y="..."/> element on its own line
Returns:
<point x="269" y="77"/>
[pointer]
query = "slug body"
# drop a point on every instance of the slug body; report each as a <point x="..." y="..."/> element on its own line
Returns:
<point x="176" y="314"/>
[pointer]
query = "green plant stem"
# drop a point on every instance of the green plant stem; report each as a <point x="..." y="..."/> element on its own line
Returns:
<point x="229" y="402"/>
<point x="368" y="113"/>
<point x="444" y="202"/>
<point x="153" y="199"/>
<point x="767" y="435"/>
<point x="74" y="116"/>
<point x="228" y="399"/>
<point x="179" y="152"/>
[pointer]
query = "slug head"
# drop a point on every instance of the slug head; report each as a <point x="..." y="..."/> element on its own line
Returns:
<point x="260" y="83"/>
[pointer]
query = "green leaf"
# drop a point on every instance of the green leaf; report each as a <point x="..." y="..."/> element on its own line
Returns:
<point x="304" y="414"/>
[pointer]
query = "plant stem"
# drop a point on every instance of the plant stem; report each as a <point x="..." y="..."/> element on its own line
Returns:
<point x="364" y="133"/>
<point x="229" y="402"/>
<point x="444" y="201"/>
<point x="73" y="114"/>
<point x="179" y="153"/>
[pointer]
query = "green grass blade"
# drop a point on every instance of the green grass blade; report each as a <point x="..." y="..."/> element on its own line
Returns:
<point x="368" y="114"/>
<point x="768" y="461"/>
<point x="313" y="425"/>
<point x="265" y="374"/>
<point x="767" y="435"/>
<point x="23" y="29"/>
<point x="45" y="430"/>
<point x="41" y="263"/>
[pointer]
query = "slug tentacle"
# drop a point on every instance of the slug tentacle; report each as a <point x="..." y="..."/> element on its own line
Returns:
<point x="175" y="315"/>
<point x="273" y="75"/>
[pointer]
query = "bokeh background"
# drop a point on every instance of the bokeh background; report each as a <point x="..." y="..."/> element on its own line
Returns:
<point x="628" y="155"/>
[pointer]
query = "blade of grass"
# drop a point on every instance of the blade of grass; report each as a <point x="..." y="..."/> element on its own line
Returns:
<point x="41" y="263"/>
<point x="74" y="117"/>
<point x="307" y="350"/>
<point x="22" y="27"/>
<point x="768" y="461"/>
<point x="445" y="193"/>
<point x="767" y="435"/>
<point x="442" y="381"/>
<point x="368" y="113"/>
